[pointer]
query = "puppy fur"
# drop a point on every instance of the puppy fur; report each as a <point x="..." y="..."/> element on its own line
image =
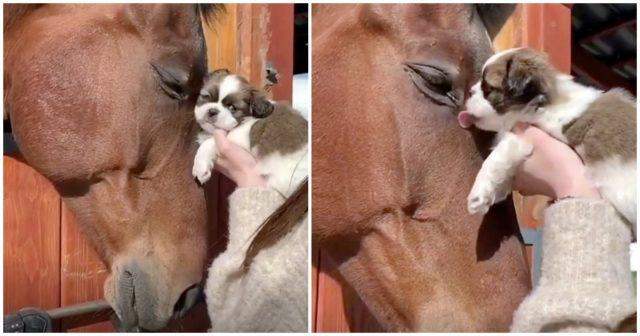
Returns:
<point x="521" y="85"/>
<point x="273" y="132"/>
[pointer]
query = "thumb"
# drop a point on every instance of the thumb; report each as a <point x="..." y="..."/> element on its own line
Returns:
<point x="520" y="128"/>
<point x="220" y="136"/>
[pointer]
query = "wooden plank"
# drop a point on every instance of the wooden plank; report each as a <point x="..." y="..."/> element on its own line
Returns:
<point x="222" y="40"/>
<point x="315" y="264"/>
<point x="82" y="275"/>
<point x="31" y="239"/>
<point x="340" y="309"/>
<point x="252" y="45"/>
<point x="547" y="27"/>
<point x="280" y="48"/>
<point x="331" y="315"/>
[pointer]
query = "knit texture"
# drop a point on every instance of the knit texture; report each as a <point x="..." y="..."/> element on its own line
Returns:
<point x="585" y="282"/>
<point x="272" y="294"/>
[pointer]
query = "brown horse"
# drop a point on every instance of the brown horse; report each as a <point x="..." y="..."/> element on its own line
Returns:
<point x="100" y="99"/>
<point x="388" y="81"/>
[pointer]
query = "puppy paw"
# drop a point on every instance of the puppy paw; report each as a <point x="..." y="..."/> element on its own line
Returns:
<point x="480" y="199"/>
<point x="202" y="170"/>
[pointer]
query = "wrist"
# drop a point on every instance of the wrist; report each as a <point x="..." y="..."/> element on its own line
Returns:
<point x="578" y="186"/>
<point x="250" y="178"/>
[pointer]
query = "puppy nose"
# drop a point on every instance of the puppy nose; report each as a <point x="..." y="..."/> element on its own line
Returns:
<point x="212" y="112"/>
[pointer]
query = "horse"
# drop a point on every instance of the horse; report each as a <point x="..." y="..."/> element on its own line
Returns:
<point x="388" y="81"/>
<point x="100" y="99"/>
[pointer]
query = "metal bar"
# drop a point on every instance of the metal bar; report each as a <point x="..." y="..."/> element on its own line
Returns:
<point x="78" y="309"/>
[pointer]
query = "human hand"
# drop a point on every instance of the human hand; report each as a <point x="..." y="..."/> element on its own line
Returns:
<point x="236" y="163"/>
<point x="553" y="169"/>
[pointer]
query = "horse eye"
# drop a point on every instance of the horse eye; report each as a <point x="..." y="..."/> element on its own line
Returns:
<point x="205" y="94"/>
<point x="433" y="83"/>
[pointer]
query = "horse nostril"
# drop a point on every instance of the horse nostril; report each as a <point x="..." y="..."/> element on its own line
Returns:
<point x="187" y="299"/>
<point x="212" y="112"/>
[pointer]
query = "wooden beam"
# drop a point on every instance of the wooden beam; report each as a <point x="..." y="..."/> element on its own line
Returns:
<point x="625" y="62"/>
<point x="585" y="65"/>
<point x="31" y="238"/>
<point x="611" y="29"/>
<point x="548" y="28"/>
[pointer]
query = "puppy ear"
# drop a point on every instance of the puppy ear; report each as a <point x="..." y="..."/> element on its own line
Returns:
<point x="259" y="105"/>
<point x="525" y="83"/>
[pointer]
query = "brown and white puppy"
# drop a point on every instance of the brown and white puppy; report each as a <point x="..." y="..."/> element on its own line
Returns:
<point x="521" y="85"/>
<point x="273" y="132"/>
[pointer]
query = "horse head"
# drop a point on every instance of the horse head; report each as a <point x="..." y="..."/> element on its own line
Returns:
<point x="388" y="81"/>
<point x="101" y="102"/>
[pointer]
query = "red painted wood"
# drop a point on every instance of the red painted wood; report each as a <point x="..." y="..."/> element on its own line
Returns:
<point x="339" y="308"/>
<point x="82" y="275"/>
<point x="548" y="28"/>
<point x="31" y="239"/>
<point x="315" y="263"/>
<point x="280" y="51"/>
<point x="331" y="315"/>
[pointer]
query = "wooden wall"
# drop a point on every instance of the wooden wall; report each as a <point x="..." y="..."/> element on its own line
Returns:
<point x="48" y="263"/>
<point x="546" y="27"/>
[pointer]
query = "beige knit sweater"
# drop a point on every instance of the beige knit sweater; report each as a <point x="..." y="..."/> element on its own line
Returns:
<point x="272" y="295"/>
<point x="585" y="282"/>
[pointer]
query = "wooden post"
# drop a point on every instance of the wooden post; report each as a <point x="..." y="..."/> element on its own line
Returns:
<point x="546" y="27"/>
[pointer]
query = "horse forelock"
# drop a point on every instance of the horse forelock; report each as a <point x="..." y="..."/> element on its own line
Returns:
<point x="210" y="12"/>
<point x="13" y="13"/>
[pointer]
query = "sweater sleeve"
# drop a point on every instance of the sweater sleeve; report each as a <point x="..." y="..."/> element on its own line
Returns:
<point x="248" y="208"/>
<point x="586" y="282"/>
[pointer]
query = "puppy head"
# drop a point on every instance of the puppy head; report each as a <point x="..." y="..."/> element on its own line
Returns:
<point x="226" y="99"/>
<point x="514" y="82"/>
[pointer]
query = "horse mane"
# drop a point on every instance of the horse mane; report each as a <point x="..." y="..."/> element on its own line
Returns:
<point x="209" y="12"/>
<point x="13" y="13"/>
<point x="494" y="16"/>
<point x="279" y="223"/>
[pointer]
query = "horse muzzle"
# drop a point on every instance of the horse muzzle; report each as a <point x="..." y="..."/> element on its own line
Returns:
<point x="143" y="300"/>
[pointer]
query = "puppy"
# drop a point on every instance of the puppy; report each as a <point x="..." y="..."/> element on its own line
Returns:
<point x="521" y="85"/>
<point x="274" y="133"/>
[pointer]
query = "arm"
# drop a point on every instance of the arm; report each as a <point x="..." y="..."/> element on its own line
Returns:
<point x="585" y="282"/>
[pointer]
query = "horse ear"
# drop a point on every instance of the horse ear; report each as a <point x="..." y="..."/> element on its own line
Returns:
<point x="260" y="106"/>
<point x="173" y="80"/>
<point x="494" y="16"/>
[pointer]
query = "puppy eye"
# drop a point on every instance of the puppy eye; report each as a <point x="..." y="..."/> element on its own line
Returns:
<point x="205" y="94"/>
<point x="433" y="83"/>
<point x="232" y="108"/>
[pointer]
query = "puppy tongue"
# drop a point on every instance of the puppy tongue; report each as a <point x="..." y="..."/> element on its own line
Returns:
<point x="466" y="119"/>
